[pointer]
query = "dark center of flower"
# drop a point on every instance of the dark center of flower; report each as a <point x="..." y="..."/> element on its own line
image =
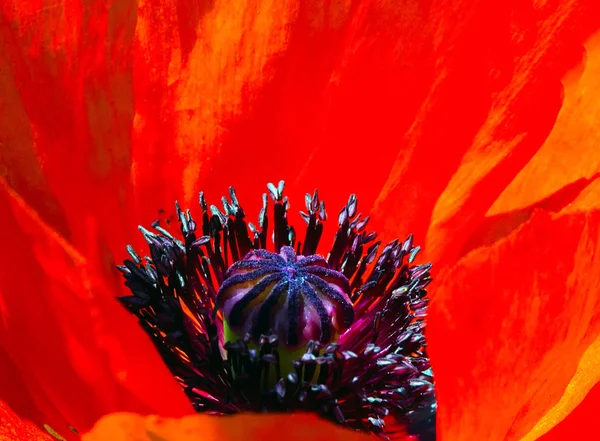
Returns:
<point x="298" y="298"/>
<point x="246" y="329"/>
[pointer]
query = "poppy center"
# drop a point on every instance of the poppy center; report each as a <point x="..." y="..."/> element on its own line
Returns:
<point x="244" y="328"/>
<point x="298" y="298"/>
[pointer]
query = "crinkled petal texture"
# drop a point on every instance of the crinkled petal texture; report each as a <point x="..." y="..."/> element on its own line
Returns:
<point x="299" y="427"/>
<point x="68" y="355"/>
<point x="454" y="120"/>
<point x="13" y="428"/>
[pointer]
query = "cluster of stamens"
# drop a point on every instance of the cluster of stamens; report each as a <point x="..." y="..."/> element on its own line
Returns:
<point x="244" y="328"/>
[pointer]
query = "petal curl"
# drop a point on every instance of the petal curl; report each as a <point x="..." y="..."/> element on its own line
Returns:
<point x="251" y="427"/>
<point x="580" y="423"/>
<point x="519" y="315"/>
<point x="66" y="336"/>
<point x="580" y="195"/>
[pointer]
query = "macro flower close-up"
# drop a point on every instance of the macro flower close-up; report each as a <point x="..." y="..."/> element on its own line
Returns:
<point x="299" y="220"/>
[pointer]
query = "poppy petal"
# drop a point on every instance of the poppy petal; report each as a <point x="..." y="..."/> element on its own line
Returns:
<point x="13" y="428"/>
<point x="580" y="423"/>
<point x="587" y="200"/>
<point x="19" y="164"/>
<point x="261" y="91"/>
<point x="75" y="344"/>
<point x="495" y="227"/>
<point x="251" y="427"/>
<point x="570" y="152"/>
<point x="214" y="94"/>
<point x="26" y="398"/>
<point x="520" y="314"/>
<point x="575" y="132"/>
<point x="586" y="377"/>
<point x="68" y="92"/>
<point x="494" y="102"/>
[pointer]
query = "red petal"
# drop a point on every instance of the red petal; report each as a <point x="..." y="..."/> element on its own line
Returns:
<point x="26" y="398"/>
<point x="13" y="428"/>
<point x="326" y="95"/>
<point x="250" y="427"/>
<point x="19" y="163"/>
<point x="66" y="91"/>
<point x="509" y="324"/>
<point x="69" y="340"/>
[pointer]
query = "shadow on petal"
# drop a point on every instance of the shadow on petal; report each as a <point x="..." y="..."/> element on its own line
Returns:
<point x="493" y="228"/>
<point x="68" y="92"/>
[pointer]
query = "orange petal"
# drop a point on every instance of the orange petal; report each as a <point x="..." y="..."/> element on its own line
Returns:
<point x="13" y="428"/>
<point x="585" y="378"/>
<point x="294" y="427"/>
<point x="509" y="324"/>
<point x="493" y="102"/>
<point x="317" y="94"/>
<point x="66" y="336"/>
<point x="580" y="423"/>
<point x="570" y="152"/>
<point x="575" y="132"/>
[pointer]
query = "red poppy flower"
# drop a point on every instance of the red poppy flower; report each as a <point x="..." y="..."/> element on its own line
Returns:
<point x="468" y="124"/>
